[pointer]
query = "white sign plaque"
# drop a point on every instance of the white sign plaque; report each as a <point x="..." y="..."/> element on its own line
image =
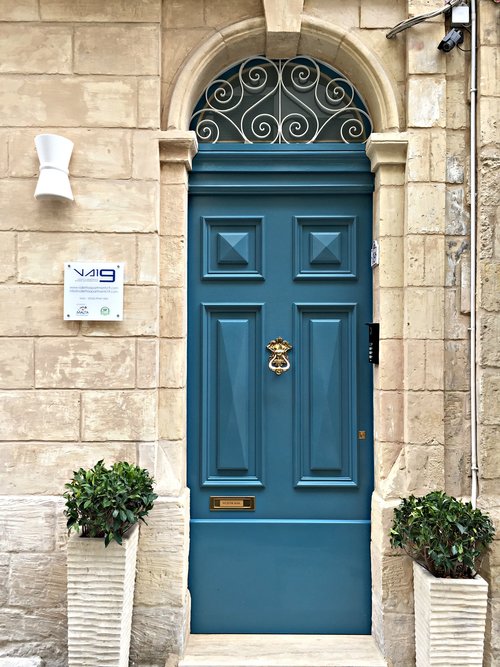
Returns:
<point x="93" y="291"/>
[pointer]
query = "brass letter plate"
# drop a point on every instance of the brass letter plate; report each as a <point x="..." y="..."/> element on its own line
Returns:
<point x="232" y="503"/>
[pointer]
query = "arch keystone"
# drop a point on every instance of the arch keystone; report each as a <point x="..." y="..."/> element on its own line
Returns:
<point x="283" y="23"/>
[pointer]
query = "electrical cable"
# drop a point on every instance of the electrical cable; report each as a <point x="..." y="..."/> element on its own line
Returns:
<point x="415" y="20"/>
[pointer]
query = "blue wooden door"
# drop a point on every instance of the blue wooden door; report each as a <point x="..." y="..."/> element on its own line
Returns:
<point x="279" y="246"/>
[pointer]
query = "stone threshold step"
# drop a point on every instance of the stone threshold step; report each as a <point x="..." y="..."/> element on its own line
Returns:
<point x="282" y="651"/>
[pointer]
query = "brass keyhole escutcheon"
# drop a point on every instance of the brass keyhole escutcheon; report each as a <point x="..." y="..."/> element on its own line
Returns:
<point x="278" y="361"/>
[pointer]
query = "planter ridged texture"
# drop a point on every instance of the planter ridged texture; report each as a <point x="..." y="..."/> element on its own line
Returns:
<point x="450" y="618"/>
<point x="100" y="600"/>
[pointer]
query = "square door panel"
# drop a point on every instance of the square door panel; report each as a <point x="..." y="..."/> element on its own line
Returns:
<point x="324" y="247"/>
<point x="232" y="248"/>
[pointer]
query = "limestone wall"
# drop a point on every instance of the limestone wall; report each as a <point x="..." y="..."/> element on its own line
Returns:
<point x="108" y="76"/>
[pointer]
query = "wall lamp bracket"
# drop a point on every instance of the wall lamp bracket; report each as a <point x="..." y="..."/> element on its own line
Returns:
<point x="54" y="153"/>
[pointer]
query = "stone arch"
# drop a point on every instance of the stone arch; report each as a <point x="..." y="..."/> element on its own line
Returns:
<point x="333" y="45"/>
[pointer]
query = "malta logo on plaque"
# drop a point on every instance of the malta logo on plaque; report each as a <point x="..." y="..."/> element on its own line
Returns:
<point x="93" y="291"/>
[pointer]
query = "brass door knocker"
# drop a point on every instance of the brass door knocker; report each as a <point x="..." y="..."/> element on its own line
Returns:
<point x="278" y="361"/>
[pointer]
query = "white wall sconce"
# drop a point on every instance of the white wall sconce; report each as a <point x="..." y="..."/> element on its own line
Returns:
<point x="54" y="153"/>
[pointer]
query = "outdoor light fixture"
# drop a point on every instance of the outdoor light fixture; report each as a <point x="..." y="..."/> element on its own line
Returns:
<point x="450" y="40"/>
<point x="54" y="153"/>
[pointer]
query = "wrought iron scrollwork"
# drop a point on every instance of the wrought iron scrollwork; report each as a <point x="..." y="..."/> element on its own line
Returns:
<point x="281" y="101"/>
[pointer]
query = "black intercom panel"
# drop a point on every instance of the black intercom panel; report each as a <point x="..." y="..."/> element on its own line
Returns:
<point x="373" y="341"/>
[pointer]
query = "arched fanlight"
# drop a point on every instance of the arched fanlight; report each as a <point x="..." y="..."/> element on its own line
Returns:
<point x="299" y="100"/>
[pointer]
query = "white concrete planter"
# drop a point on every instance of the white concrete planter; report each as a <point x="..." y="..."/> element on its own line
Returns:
<point x="450" y="617"/>
<point x="100" y="600"/>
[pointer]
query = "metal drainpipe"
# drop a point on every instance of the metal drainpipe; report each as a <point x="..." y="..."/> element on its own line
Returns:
<point x="473" y="251"/>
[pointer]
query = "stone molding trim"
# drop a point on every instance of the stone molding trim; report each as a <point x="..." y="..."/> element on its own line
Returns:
<point x="389" y="148"/>
<point x="319" y="39"/>
<point x="178" y="146"/>
<point x="283" y="21"/>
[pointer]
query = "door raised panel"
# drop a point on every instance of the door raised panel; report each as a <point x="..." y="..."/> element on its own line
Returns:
<point x="325" y="400"/>
<point x="232" y="427"/>
<point x="324" y="247"/>
<point x="232" y="248"/>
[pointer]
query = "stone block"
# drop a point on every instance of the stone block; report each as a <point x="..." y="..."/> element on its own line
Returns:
<point x="16" y="363"/>
<point x="157" y="631"/>
<point x="488" y="114"/>
<point x="382" y="518"/>
<point x="380" y="14"/>
<point x="145" y="156"/>
<point x="173" y="261"/>
<point x="21" y="463"/>
<point x="391" y="261"/>
<point x="421" y="58"/>
<point x="148" y="259"/>
<point x="140" y="315"/>
<point x="454" y="169"/>
<point x="457" y="214"/>
<point x="35" y="247"/>
<point x="102" y="206"/>
<point x="391" y="52"/>
<point x="426" y="208"/>
<point x="390" y="313"/>
<point x="424" y="422"/>
<point x="21" y="662"/>
<point x="489" y="286"/>
<point x="46" y="576"/>
<point x="456" y="366"/>
<point x="173" y="172"/>
<point x="26" y="524"/>
<point x="391" y="211"/>
<point x="172" y="414"/>
<point x="177" y="44"/>
<point x="36" y="49"/>
<point x="170" y="472"/>
<point x="39" y="415"/>
<point x="22" y="10"/>
<point x="135" y="49"/>
<point x="4" y="577"/>
<point x="4" y="153"/>
<point x="390" y="417"/>
<point x="424" y="468"/>
<point x="457" y="468"/>
<point x="146" y="11"/>
<point x="173" y="322"/>
<point x="184" y="14"/>
<point x="66" y="101"/>
<point x="456" y="418"/>
<point x="390" y="370"/>
<point x="148" y="103"/>
<point x="119" y="415"/>
<point x="173" y="213"/>
<point x="84" y="363"/>
<point x="489" y="71"/>
<point x="489" y="399"/>
<point x="418" y="165"/>
<point x="489" y="331"/>
<point x="426" y="101"/>
<point x="172" y="362"/>
<point x="33" y="310"/>
<point x="97" y="153"/>
<point x="7" y="256"/>
<point x="424" y="312"/>
<point x="392" y="576"/>
<point x="414" y="364"/>
<point x="456" y="323"/>
<point x="415" y="259"/>
<point x="167" y="527"/>
<point x="438" y="152"/>
<point x="344" y="15"/>
<point x="435" y="257"/>
<point x="147" y="364"/>
<point x="434" y="365"/>
<point x="395" y="633"/>
<point x="456" y="105"/>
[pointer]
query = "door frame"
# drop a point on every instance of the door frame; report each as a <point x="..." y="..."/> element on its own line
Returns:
<point x="386" y="149"/>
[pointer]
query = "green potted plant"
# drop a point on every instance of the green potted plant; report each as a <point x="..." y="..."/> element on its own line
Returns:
<point x="447" y="539"/>
<point x="104" y="506"/>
